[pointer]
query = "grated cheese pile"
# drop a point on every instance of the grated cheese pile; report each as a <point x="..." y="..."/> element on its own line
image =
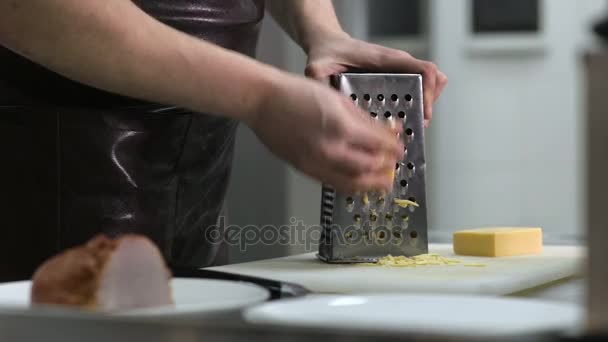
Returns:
<point x="418" y="260"/>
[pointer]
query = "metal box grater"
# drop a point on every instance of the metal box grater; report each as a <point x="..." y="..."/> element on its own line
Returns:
<point x="364" y="228"/>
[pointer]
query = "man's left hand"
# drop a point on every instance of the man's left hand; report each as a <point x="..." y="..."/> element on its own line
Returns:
<point x="338" y="53"/>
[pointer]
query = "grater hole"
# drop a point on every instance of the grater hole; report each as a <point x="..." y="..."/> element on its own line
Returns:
<point x="389" y="217"/>
<point x="348" y="236"/>
<point x="397" y="166"/>
<point x="373" y="217"/>
<point x="380" y="97"/>
<point x="373" y="114"/>
<point x="381" y="235"/>
<point x="388" y="114"/>
<point x="366" y="97"/>
<point x="410" y="166"/>
<point x="401" y="114"/>
<point x="350" y="204"/>
<point x="409" y="132"/>
<point x="403" y="183"/>
<point x="357" y="218"/>
<point x="397" y="234"/>
<point x="394" y="97"/>
<point x="405" y="218"/>
<point x="381" y="201"/>
<point x="413" y="234"/>
<point x="408" y="98"/>
<point x="353" y="97"/>
<point x="411" y="208"/>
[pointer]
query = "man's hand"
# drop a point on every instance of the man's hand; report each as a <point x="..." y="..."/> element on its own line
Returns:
<point x="323" y="134"/>
<point x="336" y="53"/>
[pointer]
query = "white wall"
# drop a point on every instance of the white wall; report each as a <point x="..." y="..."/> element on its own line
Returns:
<point x="506" y="145"/>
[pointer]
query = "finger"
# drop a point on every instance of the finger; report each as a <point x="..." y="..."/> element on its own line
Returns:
<point x="429" y="81"/>
<point x="381" y="180"/>
<point x="395" y="126"/>
<point x="442" y="81"/>
<point x="353" y="161"/>
<point x="363" y="183"/>
<point x="315" y="71"/>
<point x="375" y="139"/>
<point x="368" y="134"/>
<point x="375" y="57"/>
<point x="322" y="70"/>
<point x="359" y="116"/>
<point x="351" y="169"/>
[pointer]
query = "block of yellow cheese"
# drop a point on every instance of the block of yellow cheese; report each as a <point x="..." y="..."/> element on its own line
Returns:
<point x="498" y="242"/>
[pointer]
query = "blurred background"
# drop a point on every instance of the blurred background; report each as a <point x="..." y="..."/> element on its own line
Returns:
<point x="506" y="143"/>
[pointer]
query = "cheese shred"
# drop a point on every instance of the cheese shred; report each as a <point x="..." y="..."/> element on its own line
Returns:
<point x="415" y="261"/>
<point x="403" y="203"/>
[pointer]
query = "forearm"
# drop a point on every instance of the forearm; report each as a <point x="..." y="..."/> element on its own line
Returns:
<point x="113" y="45"/>
<point x="306" y="21"/>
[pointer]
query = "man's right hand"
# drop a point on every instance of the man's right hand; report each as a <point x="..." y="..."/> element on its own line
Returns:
<point x="323" y="134"/>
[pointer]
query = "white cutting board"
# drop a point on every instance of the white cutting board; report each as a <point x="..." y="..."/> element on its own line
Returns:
<point x="500" y="276"/>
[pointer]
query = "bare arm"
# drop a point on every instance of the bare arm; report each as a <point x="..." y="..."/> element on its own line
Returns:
<point x="115" y="46"/>
<point x="306" y="21"/>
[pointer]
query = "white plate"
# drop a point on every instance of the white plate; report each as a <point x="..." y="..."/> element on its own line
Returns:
<point x="193" y="297"/>
<point x="438" y="314"/>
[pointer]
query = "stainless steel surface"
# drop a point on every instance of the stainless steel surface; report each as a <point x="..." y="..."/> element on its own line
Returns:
<point x="597" y="188"/>
<point x="358" y="230"/>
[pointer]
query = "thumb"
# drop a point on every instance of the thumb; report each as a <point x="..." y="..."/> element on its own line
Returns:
<point x="322" y="69"/>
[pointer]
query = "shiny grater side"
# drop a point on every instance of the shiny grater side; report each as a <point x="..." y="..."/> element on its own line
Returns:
<point x="366" y="227"/>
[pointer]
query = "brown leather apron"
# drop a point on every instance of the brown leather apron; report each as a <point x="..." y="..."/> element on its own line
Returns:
<point x="77" y="161"/>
